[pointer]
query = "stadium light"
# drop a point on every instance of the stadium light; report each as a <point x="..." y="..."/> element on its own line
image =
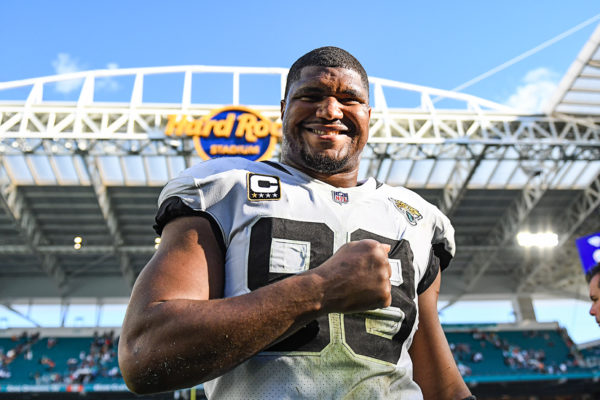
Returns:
<point x="541" y="239"/>
<point x="78" y="242"/>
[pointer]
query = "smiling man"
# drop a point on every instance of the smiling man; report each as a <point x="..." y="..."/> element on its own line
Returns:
<point x="292" y="279"/>
<point x="593" y="279"/>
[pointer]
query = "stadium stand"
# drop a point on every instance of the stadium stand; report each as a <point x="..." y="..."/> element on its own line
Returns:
<point x="31" y="359"/>
<point x="591" y="354"/>
<point x="64" y="364"/>
<point x="488" y="356"/>
<point x="537" y="360"/>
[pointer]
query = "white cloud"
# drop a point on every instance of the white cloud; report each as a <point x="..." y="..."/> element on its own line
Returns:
<point x="64" y="64"/>
<point x="108" y="83"/>
<point x="537" y="88"/>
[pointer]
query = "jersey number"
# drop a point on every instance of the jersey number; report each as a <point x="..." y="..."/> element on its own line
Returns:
<point x="363" y="331"/>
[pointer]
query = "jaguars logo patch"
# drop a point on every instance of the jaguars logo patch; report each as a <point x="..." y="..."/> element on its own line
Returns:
<point x="412" y="214"/>
<point x="263" y="187"/>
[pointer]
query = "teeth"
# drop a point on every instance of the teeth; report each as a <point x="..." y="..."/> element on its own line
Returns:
<point x="318" y="132"/>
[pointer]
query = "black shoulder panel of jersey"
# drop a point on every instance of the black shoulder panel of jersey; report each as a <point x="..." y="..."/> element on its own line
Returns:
<point x="430" y="274"/>
<point x="174" y="207"/>
<point x="278" y="166"/>
<point x="378" y="184"/>
<point x="444" y="256"/>
<point x="438" y="257"/>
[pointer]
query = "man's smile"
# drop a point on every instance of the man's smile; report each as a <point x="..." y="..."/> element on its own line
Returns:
<point x="322" y="133"/>
<point x="327" y="129"/>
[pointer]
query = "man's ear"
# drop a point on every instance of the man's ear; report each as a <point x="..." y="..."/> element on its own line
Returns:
<point x="282" y="107"/>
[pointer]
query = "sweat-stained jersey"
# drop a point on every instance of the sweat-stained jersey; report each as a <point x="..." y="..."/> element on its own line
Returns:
<point x="275" y="221"/>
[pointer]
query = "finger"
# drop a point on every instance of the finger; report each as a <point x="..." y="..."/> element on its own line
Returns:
<point x="386" y="247"/>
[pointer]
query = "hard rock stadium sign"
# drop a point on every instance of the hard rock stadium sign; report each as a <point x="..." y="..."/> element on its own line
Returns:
<point x="228" y="131"/>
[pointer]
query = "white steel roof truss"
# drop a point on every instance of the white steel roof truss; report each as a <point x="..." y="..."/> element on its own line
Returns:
<point x="409" y="173"/>
<point x="426" y="183"/>
<point x="32" y="170"/>
<point x="504" y="232"/>
<point x="576" y="216"/>
<point x="124" y="171"/>
<point x="109" y="216"/>
<point x="55" y="170"/>
<point x="10" y="122"/>
<point x="510" y="176"/>
<point x="146" y="170"/>
<point x="458" y="182"/>
<point x="495" y="169"/>
<point x="26" y="222"/>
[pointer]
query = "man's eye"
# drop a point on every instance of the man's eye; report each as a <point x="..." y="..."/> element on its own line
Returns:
<point x="309" y="98"/>
<point x="350" y="101"/>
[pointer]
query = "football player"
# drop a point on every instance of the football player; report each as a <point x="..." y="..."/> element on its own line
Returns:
<point x="292" y="279"/>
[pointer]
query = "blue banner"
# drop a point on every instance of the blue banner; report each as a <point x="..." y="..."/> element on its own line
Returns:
<point x="589" y="250"/>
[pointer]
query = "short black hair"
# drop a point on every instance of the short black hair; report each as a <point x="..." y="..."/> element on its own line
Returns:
<point x="593" y="272"/>
<point x="328" y="56"/>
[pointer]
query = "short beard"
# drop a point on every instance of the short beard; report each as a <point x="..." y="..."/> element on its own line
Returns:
<point x="323" y="164"/>
<point x="315" y="162"/>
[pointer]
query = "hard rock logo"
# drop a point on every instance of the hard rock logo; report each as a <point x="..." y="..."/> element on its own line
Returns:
<point x="230" y="131"/>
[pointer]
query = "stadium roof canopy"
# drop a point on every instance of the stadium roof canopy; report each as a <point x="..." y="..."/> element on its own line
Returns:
<point x="579" y="91"/>
<point x="92" y="168"/>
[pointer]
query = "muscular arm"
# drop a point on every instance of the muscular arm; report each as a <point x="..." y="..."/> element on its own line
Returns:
<point x="178" y="332"/>
<point x="434" y="367"/>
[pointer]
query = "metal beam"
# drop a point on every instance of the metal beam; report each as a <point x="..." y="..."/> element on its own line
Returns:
<point x="110" y="217"/>
<point x="505" y="230"/>
<point x="20" y="314"/>
<point x="27" y="225"/>
<point x="576" y="216"/>
<point x="458" y="182"/>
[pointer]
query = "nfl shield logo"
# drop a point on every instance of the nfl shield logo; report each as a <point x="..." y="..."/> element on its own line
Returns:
<point x="340" y="197"/>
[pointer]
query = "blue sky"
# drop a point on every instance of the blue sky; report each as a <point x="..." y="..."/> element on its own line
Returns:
<point x="440" y="44"/>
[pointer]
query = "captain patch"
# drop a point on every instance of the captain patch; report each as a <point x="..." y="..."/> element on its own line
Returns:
<point x="263" y="187"/>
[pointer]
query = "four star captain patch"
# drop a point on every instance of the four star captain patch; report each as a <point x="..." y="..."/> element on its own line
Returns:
<point x="263" y="187"/>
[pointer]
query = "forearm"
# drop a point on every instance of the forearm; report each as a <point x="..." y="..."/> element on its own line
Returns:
<point x="180" y="343"/>
<point x="434" y="367"/>
<point x="436" y="372"/>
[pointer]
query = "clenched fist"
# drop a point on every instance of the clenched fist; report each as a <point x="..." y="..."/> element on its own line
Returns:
<point x="356" y="278"/>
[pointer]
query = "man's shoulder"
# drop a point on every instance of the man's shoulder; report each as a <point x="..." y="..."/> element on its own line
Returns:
<point x="231" y="167"/>
<point x="403" y="194"/>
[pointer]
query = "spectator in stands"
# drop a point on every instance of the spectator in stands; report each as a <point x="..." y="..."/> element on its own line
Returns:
<point x="4" y="373"/>
<point x="464" y="370"/>
<point x="593" y="279"/>
<point x="48" y="363"/>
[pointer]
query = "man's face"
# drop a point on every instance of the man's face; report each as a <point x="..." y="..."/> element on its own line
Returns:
<point x="325" y="120"/>
<point x="595" y="297"/>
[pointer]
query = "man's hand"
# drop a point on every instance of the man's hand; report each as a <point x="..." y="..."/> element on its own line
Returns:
<point x="356" y="278"/>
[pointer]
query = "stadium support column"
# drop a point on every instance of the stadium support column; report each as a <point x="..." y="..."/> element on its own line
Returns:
<point x="524" y="311"/>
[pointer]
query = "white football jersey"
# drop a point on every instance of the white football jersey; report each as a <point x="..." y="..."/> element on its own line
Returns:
<point x="276" y="221"/>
